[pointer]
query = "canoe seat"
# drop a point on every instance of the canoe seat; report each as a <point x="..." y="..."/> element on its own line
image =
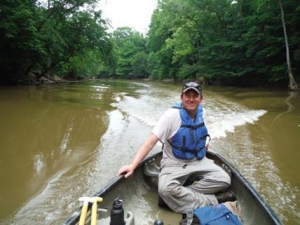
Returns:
<point x="151" y="168"/>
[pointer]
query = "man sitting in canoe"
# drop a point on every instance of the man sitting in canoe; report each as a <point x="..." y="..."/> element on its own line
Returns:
<point x="183" y="133"/>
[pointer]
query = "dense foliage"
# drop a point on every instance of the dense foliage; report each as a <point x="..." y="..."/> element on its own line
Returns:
<point x="227" y="41"/>
<point x="67" y="38"/>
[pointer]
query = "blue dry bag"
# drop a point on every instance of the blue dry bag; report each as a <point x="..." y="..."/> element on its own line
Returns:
<point x="216" y="215"/>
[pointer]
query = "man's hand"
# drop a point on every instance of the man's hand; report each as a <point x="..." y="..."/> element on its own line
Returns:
<point x="139" y="156"/>
<point x="126" y="170"/>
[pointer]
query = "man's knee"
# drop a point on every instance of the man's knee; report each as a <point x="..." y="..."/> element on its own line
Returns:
<point x="227" y="179"/>
<point x="170" y="189"/>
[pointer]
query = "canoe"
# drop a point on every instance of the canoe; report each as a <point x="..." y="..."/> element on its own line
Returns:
<point x="139" y="197"/>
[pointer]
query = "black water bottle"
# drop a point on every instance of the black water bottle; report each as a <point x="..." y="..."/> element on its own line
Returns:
<point x="117" y="213"/>
<point x="158" y="222"/>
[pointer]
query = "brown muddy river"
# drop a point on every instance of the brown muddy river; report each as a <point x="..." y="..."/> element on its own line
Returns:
<point x="58" y="143"/>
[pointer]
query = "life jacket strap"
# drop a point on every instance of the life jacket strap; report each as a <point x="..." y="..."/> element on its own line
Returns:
<point x="194" y="127"/>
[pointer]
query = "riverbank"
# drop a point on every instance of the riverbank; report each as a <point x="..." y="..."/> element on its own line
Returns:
<point x="46" y="80"/>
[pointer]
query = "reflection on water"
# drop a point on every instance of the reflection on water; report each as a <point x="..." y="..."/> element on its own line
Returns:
<point x="266" y="151"/>
<point x="59" y="143"/>
<point x="38" y="163"/>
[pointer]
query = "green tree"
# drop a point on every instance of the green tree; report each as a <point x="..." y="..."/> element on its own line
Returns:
<point x="130" y="47"/>
<point x="238" y="43"/>
<point x="161" y="55"/>
<point x="83" y="36"/>
<point x="20" y="42"/>
<point x="292" y="84"/>
<point x="46" y="41"/>
<point x="140" y="65"/>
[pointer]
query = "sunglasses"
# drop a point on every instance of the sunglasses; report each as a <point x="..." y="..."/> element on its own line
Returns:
<point x="192" y="85"/>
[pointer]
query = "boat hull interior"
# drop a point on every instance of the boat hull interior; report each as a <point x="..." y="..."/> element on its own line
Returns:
<point x="140" y="197"/>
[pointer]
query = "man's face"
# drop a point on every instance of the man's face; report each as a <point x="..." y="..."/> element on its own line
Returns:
<point x="190" y="100"/>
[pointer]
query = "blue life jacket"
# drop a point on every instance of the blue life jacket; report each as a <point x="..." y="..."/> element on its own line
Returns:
<point x="189" y="141"/>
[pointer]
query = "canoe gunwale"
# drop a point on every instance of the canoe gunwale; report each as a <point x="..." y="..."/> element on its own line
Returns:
<point x="259" y="200"/>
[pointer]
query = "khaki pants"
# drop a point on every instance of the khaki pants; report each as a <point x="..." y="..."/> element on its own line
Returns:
<point x="210" y="179"/>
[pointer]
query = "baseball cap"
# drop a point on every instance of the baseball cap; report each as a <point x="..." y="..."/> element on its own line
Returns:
<point x="191" y="86"/>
